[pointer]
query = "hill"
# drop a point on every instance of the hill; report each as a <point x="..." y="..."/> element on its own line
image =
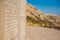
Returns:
<point x="37" y="18"/>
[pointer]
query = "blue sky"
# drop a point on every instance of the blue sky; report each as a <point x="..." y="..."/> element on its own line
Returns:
<point x="47" y="6"/>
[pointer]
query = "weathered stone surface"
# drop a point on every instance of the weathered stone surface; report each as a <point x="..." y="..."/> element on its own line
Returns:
<point x="12" y="19"/>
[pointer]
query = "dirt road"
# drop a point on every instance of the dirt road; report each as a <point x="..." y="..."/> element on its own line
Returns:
<point x="39" y="33"/>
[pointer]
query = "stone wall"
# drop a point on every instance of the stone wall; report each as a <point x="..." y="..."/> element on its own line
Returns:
<point x="1" y="21"/>
<point x="10" y="19"/>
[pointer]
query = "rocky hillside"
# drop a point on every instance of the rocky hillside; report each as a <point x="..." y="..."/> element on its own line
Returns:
<point x="37" y="18"/>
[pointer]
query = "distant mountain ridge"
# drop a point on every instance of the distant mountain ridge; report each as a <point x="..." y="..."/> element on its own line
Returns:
<point x="37" y="18"/>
